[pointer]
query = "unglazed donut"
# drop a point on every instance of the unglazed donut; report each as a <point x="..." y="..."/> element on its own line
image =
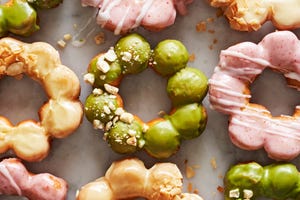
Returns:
<point x="20" y="17"/>
<point x="127" y="133"/>
<point x="16" y="180"/>
<point x="162" y="181"/>
<point x="59" y="116"/>
<point x="249" y="15"/>
<point x="251" y="180"/>
<point x="252" y="126"/>
<point x="121" y="16"/>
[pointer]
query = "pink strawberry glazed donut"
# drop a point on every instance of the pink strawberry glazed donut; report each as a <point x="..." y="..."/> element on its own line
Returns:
<point x="121" y="16"/>
<point x="251" y="126"/>
<point x="15" y="179"/>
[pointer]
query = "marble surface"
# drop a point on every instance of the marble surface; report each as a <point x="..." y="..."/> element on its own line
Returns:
<point x="84" y="156"/>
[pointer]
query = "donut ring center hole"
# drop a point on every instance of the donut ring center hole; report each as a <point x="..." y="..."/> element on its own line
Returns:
<point x="21" y="99"/>
<point x="145" y="95"/>
<point x="271" y="90"/>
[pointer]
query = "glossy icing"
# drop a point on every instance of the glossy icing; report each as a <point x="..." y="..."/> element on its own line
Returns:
<point x="251" y="126"/>
<point x="59" y="116"/>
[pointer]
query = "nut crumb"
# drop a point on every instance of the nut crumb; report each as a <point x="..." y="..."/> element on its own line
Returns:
<point x="111" y="89"/>
<point x="190" y="172"/>
<point x="210" y="19"/>
<point x="192" y="57"/>
<point x="67" y="37"/>
<point x="213" y="163"/>
<point x="201" y="26"/>
<point x="61" y="43"/>
<point x="220" y="189"/>
<point x="99" y="38"/>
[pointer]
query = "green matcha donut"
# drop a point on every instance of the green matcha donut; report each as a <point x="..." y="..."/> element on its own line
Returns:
<point x="19" y="16"/>
<point x="126" y="138"/>
<point x="133" y="52"/>
<point x="187" y="86"/>
<point x="101" y="107"/>
<point x="162" y="139"/>
<point x="189" y="120"/>
<point x="125" y="132"/>
<point x="279" y="181"/>
<point x="111" y="77"/>
<point x="169" y="56"/>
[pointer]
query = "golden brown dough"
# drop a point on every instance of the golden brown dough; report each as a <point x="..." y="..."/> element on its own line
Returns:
<point x="59" y="116"/>
<point x="129" y="178"/>
<point x="249" y="15"/>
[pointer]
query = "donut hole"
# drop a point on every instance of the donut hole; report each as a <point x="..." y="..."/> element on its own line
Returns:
<point x="21" y="99"/>
<point x="145" y="94"/>
<point x="270" y="89"/>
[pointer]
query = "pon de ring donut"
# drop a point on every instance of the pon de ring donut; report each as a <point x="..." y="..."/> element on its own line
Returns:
<point x="127" y="133"/>
<point x="59" y="116"/>
<point x="251" y="126"/>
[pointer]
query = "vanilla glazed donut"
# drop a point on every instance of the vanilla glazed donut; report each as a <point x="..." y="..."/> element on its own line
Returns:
<point x="250" y="15"/>
<point x="16" y="180"/>
<point x="121" y="16"/>
<point x="59" y="116"/>
<point x="251" y="126"/>
<point x="127" y="133"/>
<point x="163" y="181"/>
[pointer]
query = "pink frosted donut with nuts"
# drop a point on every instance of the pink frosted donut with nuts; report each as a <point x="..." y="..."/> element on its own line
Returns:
<point x="16" y="180"/>
<point x="251" y="126"/>
<point x="122" y="16"/>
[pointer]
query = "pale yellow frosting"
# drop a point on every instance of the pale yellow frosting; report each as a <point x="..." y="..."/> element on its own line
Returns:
<point x="129" y="178"/>
<point x="59" y="117"/>
<point x="249" y="15"/>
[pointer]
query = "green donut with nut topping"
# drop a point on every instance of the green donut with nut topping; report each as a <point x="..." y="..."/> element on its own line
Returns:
<point x="124" y="131"/>
<point x="278" y="181"/>
<point x="19" y="16"/>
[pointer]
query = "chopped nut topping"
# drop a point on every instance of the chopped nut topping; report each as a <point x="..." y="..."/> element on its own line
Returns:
<point x="111" y="89"/>
<point x="141" y="143"/>
<point x="111" y="106"/>
<point x="108" y="126"/>
<point x="106" y="110"/>
<point x="89" y="78"/>
<point x="132" y="132"/>
<point x="201" y="26"/>
<point x="110" y="55"/>
<point x="61" y="43"/>
<point x="132" y="141"/>
<point x="97" y="124"/>
<point x="145" y="128"/>
<point x="15" y="69"/>
<point x="127" y="117"/>
<point x="126" y="56"/>
<point x="213" y="163"/>
<point x="97" y="91"/>
<point x="102" y="77"/>
<point x="102" y="65"/>
<point x="67" y="37"/>
<point x="115" y="119"/>
<point x="234" y="193"/>
<point x="119" y="111"/>
<point x="190" y="172"/>
<point x="248" y="194"/>
<point x="99" y="38"/>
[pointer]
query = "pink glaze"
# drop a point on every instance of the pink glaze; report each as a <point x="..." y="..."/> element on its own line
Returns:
<point x="251" y="126"/>
<point x="122" y="16"/>
<point x="16" y="180"/>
